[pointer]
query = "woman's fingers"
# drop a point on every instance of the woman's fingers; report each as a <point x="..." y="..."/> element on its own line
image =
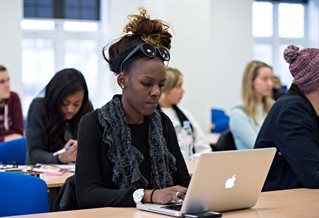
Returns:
<point x="180" y="195"/>
<point x="166" y="195"/>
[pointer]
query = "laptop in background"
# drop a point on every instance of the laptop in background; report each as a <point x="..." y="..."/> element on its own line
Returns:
<point x="222" y="181"/>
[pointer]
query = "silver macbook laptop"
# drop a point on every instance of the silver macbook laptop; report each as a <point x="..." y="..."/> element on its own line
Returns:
<point x="222" y="181"/>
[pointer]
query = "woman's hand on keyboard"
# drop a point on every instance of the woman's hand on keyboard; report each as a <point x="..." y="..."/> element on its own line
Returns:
<point x="166" y="195"/>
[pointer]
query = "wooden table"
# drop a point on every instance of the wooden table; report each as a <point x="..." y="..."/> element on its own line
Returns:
<point x="54" y="184"/>
<point x="55" y="181"/>
<point x="292" y="203"/>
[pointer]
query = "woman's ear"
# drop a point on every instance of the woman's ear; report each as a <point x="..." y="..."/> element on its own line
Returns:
<point x="122" y="80"/>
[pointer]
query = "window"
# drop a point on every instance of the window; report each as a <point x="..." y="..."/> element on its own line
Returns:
<point x="263" y="52"/>
<point x="262" y="19"/>
<point x="291" y="20"/>
<point x="50" y="45"/>
<point x="277" y="24"/>
<point x="81" y="9"/>
<point x="37" y="57"/>
<point x="65" y="9"/>
<point x="83" y="55"/>
<point x="38" y="8"/>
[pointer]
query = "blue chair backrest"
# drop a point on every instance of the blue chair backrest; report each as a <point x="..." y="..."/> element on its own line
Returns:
<point x="13" y="151"/>
<point x="220" y="120"/>
<point x="22" y="194"/>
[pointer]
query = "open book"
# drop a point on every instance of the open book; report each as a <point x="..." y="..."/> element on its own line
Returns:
<point x="48" y="169"/>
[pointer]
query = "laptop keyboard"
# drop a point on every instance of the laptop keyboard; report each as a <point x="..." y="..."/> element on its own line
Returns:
<point x="176" y="207"/>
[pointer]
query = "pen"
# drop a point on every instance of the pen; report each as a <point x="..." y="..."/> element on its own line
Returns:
<point x="61" y="151"/>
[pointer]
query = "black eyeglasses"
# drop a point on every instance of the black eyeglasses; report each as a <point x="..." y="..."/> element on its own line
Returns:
<point x="149" y="51"/>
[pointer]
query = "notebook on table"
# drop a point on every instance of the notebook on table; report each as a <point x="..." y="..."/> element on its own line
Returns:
<point x="222" y="181"/>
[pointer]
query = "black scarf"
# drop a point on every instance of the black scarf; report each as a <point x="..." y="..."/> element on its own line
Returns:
<point x="126" y="158"/>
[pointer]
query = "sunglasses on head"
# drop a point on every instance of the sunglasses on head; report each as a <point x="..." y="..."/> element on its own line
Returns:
<point x="148" y="50"/>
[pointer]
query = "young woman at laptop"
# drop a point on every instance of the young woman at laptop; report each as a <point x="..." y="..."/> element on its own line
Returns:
<point x="127" y="151"/>
<point x="292" y="125"/>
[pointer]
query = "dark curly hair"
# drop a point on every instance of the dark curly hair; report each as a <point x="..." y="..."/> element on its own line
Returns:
<point x="139" y="29"/>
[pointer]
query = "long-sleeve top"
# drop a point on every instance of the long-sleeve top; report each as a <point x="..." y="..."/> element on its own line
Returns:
<point x="201" y="144"/>
<point x="38" y="144"/>
<point x="11" y="118"/>
<point x="243" y="127"/>
<point x="292" y="126"/>
<point x="94" y="170"/>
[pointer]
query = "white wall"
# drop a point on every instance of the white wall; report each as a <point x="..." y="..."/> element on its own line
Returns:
<point x="10" y="40"/>
<point x="212" y="42"/>
<point x="218" y="34"/>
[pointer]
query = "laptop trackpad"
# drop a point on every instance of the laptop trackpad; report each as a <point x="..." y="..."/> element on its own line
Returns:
<point x="192" y="206"/>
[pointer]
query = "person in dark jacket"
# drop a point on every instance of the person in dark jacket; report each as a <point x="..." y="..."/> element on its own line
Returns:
<point x="128" y="151"/>
<point x="53" y="119"/>
<point x="11" y="118"/>
<point x="292" y="126"/>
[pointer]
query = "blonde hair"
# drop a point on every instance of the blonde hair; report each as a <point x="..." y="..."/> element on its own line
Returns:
<point x="248" y="94"/>
<point x="172" y="75"/>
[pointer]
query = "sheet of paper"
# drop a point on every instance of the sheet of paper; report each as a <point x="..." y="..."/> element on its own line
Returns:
<point x="66" y="167"/>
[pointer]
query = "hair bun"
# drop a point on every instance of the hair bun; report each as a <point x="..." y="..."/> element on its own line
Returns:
<point x="138" y="24"/>
<point x="151" y="31"/>
<point x="291" y="53"/>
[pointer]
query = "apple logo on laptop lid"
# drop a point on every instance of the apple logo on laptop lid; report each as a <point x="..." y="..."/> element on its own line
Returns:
<point x="230" y="182"/>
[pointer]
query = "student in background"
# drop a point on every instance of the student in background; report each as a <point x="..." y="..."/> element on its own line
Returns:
<point x="277" y="89"/>
<point x="256" y="92"/>
<point x="128" y="151"/>
<point x="11" y="119"/>
<point x="53" y="119"/>
<point x="172" y="94"/>
<point x="292" y="125"/>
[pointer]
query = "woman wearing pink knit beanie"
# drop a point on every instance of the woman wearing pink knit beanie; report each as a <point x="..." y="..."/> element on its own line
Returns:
<point x="292" y="125"/>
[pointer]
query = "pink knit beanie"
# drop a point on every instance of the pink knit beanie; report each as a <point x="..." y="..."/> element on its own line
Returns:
<point x="304" y="67"/>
